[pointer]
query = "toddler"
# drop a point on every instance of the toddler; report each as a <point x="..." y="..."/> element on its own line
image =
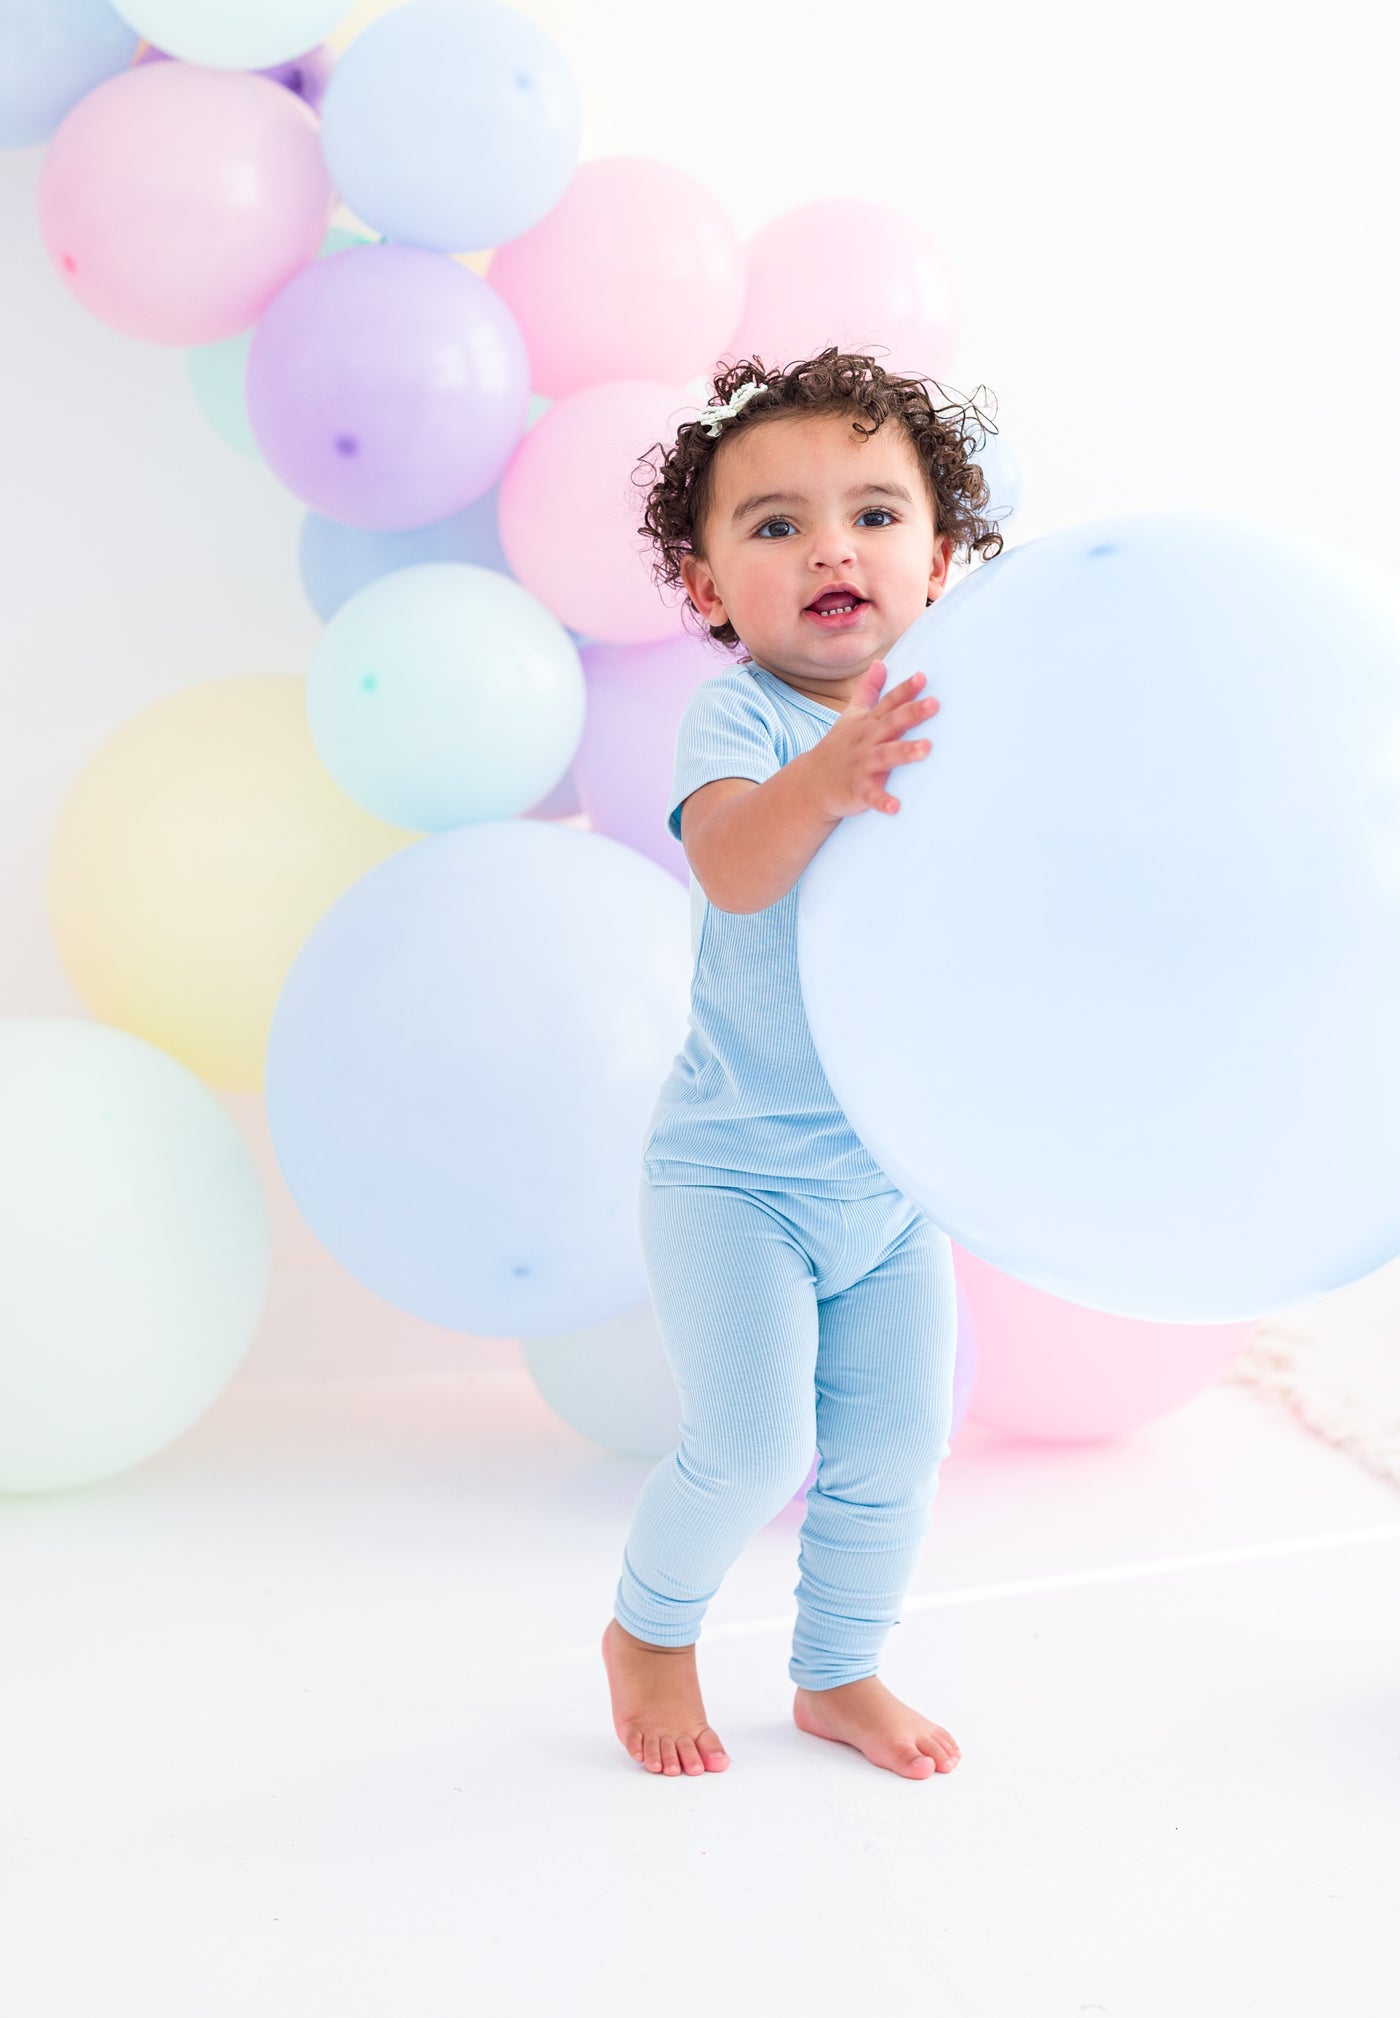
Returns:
<point x="803" y="1301"/>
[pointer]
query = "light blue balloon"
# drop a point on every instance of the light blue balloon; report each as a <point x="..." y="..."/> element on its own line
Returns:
<point x="462" y="1066"/>
<point x="1115" y="995"/>
<point x="135" y="1251"/>
<point x="445" y="693"/>
<point x="337" y="560"/>
<point x="52" y="53"/>
<point x="218" y="371"/>
<point x="451" y="124"/>
<point x="998" y="464"/>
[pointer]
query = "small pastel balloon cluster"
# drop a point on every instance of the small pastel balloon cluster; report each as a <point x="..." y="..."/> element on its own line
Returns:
<point x="402" y="294"/>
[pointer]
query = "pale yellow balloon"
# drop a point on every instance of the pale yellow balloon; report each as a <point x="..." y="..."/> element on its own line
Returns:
<point x="191" y="859"/>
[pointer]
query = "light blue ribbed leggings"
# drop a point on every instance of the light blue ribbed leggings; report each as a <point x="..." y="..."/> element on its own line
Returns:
<point x="792" y="1323"/>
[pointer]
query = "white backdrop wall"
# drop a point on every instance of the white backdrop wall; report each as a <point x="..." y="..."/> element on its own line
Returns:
<point x="1175" y="235"/>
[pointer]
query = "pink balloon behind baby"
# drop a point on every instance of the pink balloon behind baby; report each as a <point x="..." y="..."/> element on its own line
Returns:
<point x="623" y="764"/>
<point x="636" y="272"/>
<point x="176" y="201"/>
<point x="1056" y="1372"/>
<point x="854" y="274"/>
<point x="306" y="76"/>
<point x="571" y="503"/>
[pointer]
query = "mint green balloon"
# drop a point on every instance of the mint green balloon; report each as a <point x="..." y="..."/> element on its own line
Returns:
<point x="445" y="693"/>
<point x="135" y="1251"/>
<point x="234" y="34"/>
<point x="216" y="373"/>
<point x="217" y="370"/>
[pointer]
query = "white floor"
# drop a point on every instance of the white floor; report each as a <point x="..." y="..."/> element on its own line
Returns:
<point x="305" y="1718"/>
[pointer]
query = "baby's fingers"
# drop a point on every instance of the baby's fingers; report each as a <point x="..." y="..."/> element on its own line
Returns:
<point x="904" y="717"/>
<point x="903" y="692"/>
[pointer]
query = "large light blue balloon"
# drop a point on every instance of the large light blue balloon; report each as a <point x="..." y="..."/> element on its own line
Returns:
<point x="462" y="1067"/>
<point x="444" y="693"/>
<point x="337" y="559"/>
<point x="52" y="53"/>
<point x="1115" y="996"/>
<point x="135" y="1251"/>
<point x="451" y="124"/>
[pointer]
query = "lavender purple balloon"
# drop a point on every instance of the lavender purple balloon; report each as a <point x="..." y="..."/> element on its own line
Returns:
<point x="387" y="387"/>
<point x="622" y="767"/>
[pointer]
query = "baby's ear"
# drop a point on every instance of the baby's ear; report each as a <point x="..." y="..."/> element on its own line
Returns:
<point x="700" y="587"/>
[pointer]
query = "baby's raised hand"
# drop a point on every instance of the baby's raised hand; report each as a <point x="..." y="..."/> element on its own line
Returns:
<point x="854" y="758"/>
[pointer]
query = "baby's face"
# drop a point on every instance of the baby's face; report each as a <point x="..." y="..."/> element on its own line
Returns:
<point x="802" y="505"/>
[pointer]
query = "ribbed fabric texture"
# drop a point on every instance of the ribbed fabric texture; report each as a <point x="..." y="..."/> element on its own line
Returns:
<point x="748" y="1092"/>
<point x="794" y="1322"/>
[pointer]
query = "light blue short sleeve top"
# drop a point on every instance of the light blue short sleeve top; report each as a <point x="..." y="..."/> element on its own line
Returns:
<point x="747" y="1094"/>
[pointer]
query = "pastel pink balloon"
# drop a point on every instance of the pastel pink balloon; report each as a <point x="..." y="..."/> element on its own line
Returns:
<point x="1053" y="1371"/>
<point x="854" y="274"/>
<point x="175" y="201"/>
<point x="568" y="511"/>
<point x="637" y="272"/>
<point x="622" y="766"/>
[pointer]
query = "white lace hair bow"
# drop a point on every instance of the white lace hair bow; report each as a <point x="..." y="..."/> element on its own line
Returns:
<point x="713" y="417"/>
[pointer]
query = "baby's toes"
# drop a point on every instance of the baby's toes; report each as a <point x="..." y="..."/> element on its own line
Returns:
<point x="913" y="1763"/>
<point x="651" y="1751"/>
<point x="711" y="1750"/>
<point x="941" y="1749"/>
<point x="669" y="1762"/>
<point x="689" y="1756"/>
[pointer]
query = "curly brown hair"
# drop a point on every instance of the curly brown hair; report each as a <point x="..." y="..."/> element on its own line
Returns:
<point x="679" y="490"/>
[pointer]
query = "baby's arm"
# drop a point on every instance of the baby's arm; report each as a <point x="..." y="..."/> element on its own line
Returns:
<point x="748" y="843"/>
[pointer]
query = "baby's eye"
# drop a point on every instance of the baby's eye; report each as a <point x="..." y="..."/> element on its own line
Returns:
<point x="772" y="522"/>
<point x="877" y="508"/>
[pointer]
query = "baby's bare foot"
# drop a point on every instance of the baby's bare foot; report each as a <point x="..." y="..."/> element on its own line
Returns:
<point x="890" y="1734"/>
<point x="657" y="1711"/>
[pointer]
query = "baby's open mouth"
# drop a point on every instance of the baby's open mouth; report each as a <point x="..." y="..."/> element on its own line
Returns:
<point x="836" y="606"/>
